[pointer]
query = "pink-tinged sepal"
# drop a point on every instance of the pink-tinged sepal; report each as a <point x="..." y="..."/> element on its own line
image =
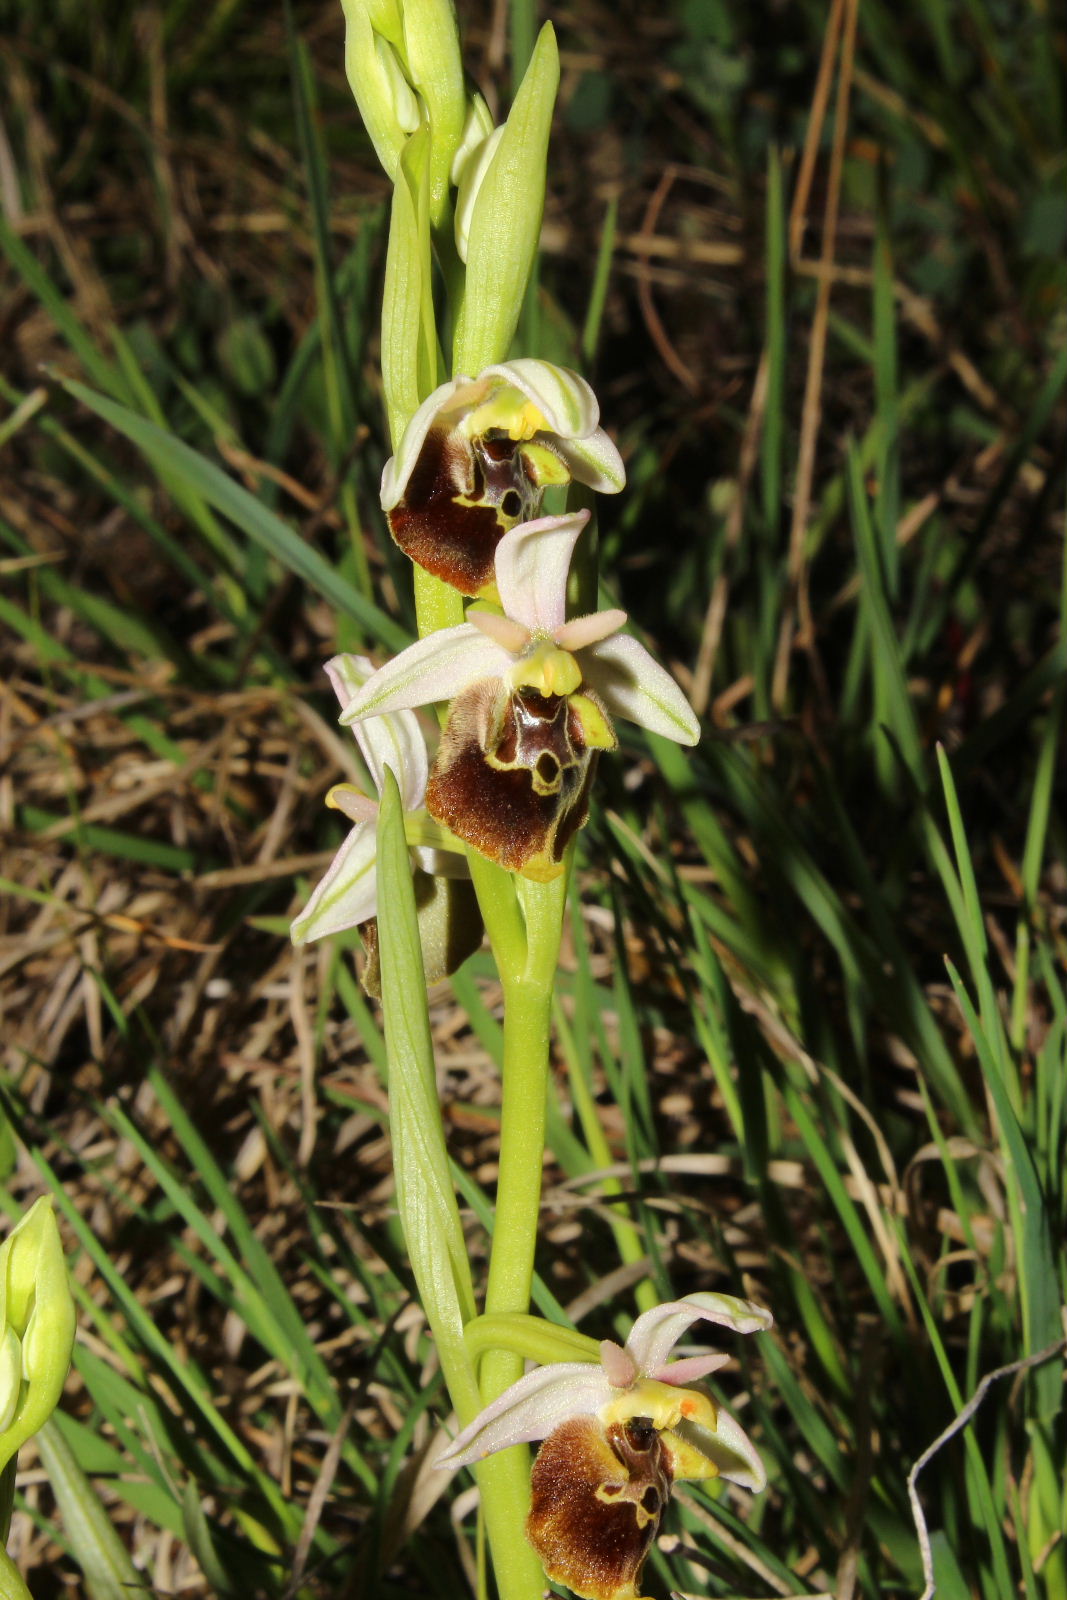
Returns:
<point x="529" y="1410"/>
<point x="436" y="668"/>
<point x="347" y="897"/>
<point x="634" y="685"/>
<point x="656" y="1332"/>
<point x="395" y="742"/>
<point x="348" y="894"/>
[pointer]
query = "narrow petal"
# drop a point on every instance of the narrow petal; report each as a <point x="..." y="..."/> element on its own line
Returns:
<point x="532" y="562"/>
<point x="620" y="1368"/>
<point x="398" y="468"/>
<point x="565" y="400"/>
<point x="690" y="1369"/>
<point x="656" y="1332"/>
<point x="509" y="635"/>
<point x="435" y="668"/>
<point x="594" y="461"/>
<point x="529" y="1410"/>
<point x="393" y="741"/>
<point x="347" y="894"/>
<point x="634" y="686"/>
<point x="580" y="632"/>
<point x="725" y="1452"/>
<point x="352" y="803"/>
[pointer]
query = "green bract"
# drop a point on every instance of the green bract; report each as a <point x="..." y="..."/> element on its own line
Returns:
<point x="36" y="1326"/>
<point x="504" y="222"/>
<point x="409" y="338"/>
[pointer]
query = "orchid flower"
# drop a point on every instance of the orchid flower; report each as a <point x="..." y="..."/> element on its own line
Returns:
<point x="450" y="925"/>
<point x="476" y="456"/>
<point x="533" y="696"/>
<point x="616" y="1436"/>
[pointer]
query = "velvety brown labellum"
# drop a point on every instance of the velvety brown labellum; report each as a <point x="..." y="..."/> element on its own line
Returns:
<point x="462" y="497"/>
<point x="596" y="1498"/>
<point x="512" y="777"/>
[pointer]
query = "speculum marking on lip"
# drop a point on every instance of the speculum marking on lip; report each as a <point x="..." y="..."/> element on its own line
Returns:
<point x="595" y="1506"/>
<point x="511" y="777"/>
<point x="461" y="498"/>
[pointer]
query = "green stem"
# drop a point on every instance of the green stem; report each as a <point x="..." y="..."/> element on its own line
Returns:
<point x="436" y="604"/>
<point x="7" y="1497"/>
<point x="527" y="1016"/>
<point x="528" y="980"/>
<point x="499" y="906"/>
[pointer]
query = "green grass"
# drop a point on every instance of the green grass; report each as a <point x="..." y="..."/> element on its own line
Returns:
<point x="812" y="1020"/>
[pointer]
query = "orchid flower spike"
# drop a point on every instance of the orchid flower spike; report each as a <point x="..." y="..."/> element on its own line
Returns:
<point x="347" y="896"/>
<point x="616" y="1436"/>
<point x="533" y="696"/>
<point x="476" y="456"/>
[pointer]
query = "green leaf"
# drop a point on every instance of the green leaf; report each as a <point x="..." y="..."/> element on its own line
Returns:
<point x="106" y="1566"/>
<point x="426" y="1199"/>
<point x="168" y="454"/>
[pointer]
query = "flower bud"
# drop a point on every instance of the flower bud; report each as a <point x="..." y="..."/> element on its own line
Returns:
<point x="431" y="45"/>
<point x="471" y="177"/>
<point x="386" y="19"/>
<point x="386" y="100"/>
<point x="478" y="126"/>
<point x="36" y="1326"/>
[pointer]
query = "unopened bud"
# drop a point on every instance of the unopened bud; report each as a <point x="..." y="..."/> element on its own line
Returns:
<point x="36" y="1326"/>
<point x="386" y="100"/>
<point x="478" y="126"/>
<point x="431" y="49"/>
<point x="471" y="177"/>
<point x="502" y="217"/>
<point x="386" y="19"/>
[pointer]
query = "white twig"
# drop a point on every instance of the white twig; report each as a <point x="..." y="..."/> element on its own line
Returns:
<point x="954" y="1427"/>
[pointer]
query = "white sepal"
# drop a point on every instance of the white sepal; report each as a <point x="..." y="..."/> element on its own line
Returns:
<point x="398" y="468"/>
<point x="532" y="562"/>
<point x="531" y="1409"/>
<point x="564" y="399"/>
<point x="656" y="1332"/>
<point x="593" y="460"/>
<point x="394" y="741"/>
<point x="634" y="686"/>
<point x="435" y="668"/>
<point x="728" y="1448"/>
<point x="347" y="894"/>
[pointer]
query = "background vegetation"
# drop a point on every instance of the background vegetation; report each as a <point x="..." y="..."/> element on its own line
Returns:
<point x="813" y="1023"/>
